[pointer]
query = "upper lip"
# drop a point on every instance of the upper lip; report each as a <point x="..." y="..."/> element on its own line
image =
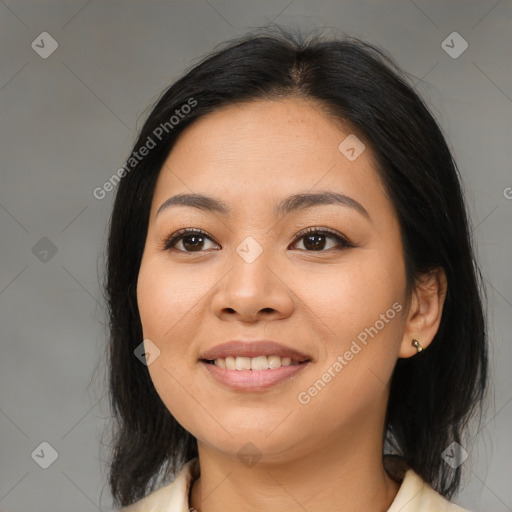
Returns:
<point x="253" y="348"/>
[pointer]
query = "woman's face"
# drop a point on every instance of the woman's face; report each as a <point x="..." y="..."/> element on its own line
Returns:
<point x="254" y="275"/>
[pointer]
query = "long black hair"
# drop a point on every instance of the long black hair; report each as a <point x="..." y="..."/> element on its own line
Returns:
<point x="432" y="395"/>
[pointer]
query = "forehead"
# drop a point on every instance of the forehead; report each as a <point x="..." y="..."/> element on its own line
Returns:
<point x="267" y="149"/>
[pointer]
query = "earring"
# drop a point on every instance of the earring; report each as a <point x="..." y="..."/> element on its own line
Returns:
<point x="416" y="345"/>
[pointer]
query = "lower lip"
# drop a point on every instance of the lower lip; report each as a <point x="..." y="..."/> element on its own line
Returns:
<point x="252" y="380"/>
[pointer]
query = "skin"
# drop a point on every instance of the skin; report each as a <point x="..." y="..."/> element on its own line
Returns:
<point x="325" y="455"/>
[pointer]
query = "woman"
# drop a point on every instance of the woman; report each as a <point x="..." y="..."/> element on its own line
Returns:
<point x="296" y="314"/>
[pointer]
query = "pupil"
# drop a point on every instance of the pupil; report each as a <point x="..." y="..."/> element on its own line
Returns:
<point x="193" y="245"/>
<point x="314" y="245"/>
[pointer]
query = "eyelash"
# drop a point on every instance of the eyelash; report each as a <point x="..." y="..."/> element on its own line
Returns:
<point x="179" y="235"/>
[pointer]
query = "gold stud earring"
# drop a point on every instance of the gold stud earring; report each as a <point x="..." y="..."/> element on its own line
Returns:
<point x="416" y="344"/>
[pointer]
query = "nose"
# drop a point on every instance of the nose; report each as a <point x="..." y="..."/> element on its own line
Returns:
<point x="253" y="291"/>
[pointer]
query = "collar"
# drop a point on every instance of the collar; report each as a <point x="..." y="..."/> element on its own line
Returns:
<point x="414" y="494"/>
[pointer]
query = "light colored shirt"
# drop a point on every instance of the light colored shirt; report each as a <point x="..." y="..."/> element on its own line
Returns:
<point x="414" y="495"/>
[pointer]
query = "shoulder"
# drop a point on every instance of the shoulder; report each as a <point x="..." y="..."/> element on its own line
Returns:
<point x="415" y="495"/>
<point x="170" y="498"/>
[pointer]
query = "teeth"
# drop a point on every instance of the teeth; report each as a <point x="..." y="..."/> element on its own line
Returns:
<point x="274" y="361"/>
<point x="243" y="363"/>
<point x="253" y="363"/>
<point x="258" y="363"/>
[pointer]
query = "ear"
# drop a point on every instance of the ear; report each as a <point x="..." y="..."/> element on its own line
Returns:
<point x="425" y="310"/>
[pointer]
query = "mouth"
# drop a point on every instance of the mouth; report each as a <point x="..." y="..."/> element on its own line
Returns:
<point x="253" y="374"/>
<point x="258" y="363"/>
<point x="253" y="365"/>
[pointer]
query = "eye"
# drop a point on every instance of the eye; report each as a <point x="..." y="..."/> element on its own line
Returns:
<point x="192" y="240"/>
<point x="314" y="239"/>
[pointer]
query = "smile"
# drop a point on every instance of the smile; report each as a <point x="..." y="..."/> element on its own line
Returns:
<point x="258" y="363"/>
<point x="253" y="373"/>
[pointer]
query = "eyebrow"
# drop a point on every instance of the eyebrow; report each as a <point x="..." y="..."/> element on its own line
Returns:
<point x="294" y="202"/>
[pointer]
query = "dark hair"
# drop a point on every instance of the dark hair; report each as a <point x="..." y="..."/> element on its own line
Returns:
<point x="433" y="395"/>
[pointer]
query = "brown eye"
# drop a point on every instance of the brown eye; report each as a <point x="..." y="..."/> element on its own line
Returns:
<point x="192" y="240"/>
<point x="315" y="239"/>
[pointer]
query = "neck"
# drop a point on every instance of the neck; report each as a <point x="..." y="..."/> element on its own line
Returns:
<point x="347" y="476"/>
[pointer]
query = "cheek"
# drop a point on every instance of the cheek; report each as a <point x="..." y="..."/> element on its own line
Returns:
<point x="165" y="296"/>
<point x="154" y="299"/>
<point x="361" y="307"/>
<point x="351" y="296"/>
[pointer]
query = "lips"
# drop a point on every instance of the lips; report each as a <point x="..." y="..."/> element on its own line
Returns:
<point x="238" y="348"/>
<point x="235" y="374"/>
<point x="250" y="380"/>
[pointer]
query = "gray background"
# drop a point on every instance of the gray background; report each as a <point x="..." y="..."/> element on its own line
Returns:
<point x="68" y="123"/>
